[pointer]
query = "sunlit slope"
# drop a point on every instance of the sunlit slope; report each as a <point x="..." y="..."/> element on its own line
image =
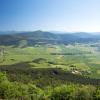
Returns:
<point x="83" y="58"/>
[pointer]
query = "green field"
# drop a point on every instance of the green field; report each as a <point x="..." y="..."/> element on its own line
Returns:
<point x="50" y="72"/>
<point x="82" y="59"/>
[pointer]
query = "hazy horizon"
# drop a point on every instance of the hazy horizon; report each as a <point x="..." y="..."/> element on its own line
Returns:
<point x="54" y="32"/>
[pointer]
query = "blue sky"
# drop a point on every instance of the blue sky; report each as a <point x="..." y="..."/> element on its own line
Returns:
<point x="50" y="15"/>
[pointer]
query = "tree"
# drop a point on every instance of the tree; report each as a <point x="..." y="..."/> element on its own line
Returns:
<point x="97" y="94"/>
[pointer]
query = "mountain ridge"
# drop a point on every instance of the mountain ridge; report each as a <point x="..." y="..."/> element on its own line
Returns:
<point x="45" y="37"/>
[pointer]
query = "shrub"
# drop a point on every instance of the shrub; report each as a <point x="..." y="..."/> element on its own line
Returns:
<point x="64" y="92"/>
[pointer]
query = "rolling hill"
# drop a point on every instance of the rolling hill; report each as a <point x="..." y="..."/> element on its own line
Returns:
<point x="41" y="37"/>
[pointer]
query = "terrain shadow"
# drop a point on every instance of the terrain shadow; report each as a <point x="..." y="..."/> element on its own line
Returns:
<point x="23" y="72"/>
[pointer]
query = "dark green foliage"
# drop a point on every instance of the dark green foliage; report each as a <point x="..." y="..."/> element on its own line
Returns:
<point x="97" y="94"/>
<point x="23" y="72"/>
<point x="63" y="93"/>
<point x="74" y="92"/>
<point x="19" y="91"/>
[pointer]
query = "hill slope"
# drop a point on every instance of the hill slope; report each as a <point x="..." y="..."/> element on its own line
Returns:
<point x="41" y="37"/>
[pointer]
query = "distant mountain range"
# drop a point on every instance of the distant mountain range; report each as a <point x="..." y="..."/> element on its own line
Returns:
<point x="42" y="37"/>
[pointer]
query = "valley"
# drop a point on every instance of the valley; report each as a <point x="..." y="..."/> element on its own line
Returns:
<point x="83" y="58"/>
<point x="46" y="64"/>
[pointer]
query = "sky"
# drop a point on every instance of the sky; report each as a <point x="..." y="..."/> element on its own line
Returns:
<point x="50" y="15"/>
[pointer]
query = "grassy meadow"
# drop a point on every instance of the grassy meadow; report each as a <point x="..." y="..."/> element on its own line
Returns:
<point x="82" y="58"/>
<point x="50" y="72"/>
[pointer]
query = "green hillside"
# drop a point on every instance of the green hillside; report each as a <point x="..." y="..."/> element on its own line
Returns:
<point x="39" y="67"/>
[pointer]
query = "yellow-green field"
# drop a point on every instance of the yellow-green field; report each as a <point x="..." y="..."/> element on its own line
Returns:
<point x="83" y="58"/>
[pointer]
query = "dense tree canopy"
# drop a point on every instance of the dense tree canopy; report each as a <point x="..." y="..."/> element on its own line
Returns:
<point x="19" y="91"/>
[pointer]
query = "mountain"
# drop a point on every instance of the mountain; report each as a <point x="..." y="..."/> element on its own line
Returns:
<point x="41" y="37"/>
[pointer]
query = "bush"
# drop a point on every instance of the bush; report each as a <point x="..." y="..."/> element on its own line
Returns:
<point x="19" y="91"/>
<point x="73" y="92"/>
<point x="34" y="92"/>
<point x="97" y="94"/>
<point x="64" y="92"/>
<point x="84" y="93"/>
